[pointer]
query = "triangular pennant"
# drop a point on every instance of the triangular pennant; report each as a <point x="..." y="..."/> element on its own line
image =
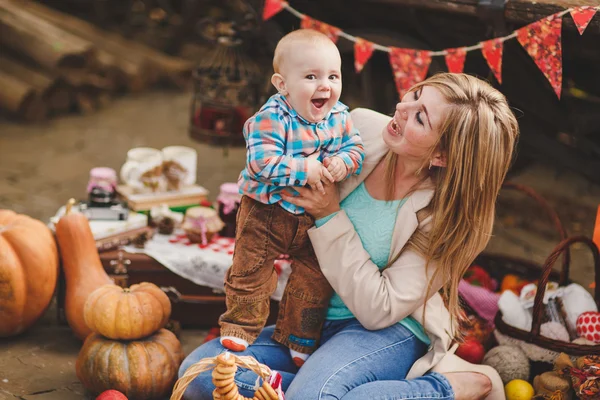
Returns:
<point x="331" y="31"/>
<point x="542" y="41"/>
<point x="272" y="7"/>
<point x="582" y="17"/>
<point x="409" y="67"/>
<point x="455" y="59"/>
<point x="492" y="52"/>
<point x="363" y="49"/>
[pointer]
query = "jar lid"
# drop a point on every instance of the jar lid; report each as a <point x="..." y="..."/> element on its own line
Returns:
<point x="103" y="173"/>
<point x="229" y="188"/>
<point x="200" y="212"/>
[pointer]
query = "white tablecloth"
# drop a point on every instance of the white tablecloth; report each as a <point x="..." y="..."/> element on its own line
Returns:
<point x="203" y="265"/>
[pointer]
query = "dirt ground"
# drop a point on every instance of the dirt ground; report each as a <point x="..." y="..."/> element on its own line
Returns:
<point x="42" y="166"/>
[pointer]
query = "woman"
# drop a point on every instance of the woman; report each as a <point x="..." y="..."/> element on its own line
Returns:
<point x="409" y="225"/>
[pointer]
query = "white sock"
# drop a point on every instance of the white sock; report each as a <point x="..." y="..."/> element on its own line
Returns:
<point x="296" y="354"/>
<point x="238" y="341"/>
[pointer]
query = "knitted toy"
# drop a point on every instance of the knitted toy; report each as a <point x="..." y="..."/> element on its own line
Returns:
<point x="510" y="362"/>
<point x="584" y="375"/>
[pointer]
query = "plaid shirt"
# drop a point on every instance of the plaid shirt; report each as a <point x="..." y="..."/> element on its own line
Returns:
<point x="278" y="140"/>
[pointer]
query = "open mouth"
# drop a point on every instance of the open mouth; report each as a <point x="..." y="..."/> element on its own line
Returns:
<point x="319" y="103"/>
<point x="394" y="127"/>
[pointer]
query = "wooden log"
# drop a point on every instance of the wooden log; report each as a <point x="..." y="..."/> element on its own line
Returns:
<point x="82" y="80"/>
<point x="85" y="103"/>
<point x="90" y="91"/>
<point x="47" y="44"/>
<point x="115" y="57"/>
<point x="20" y="98"/>
<point x="174" y="69"/>
<point x="516" y="11"/>
<point x="53" y="90"/>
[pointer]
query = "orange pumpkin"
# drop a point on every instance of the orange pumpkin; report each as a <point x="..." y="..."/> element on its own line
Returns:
<point x="82" y="267"/>
<point x="127" y="314"/>
<point x="142" y="369"/>
<point x="28" y="271"/>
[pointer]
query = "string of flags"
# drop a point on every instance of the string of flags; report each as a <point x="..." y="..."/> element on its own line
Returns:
<point x="541" y="40"/>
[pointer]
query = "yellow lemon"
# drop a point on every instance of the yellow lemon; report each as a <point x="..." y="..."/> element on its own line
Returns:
<point x="518" y="389"/>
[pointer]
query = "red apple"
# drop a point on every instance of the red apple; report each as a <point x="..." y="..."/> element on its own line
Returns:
<point x="111" y="395"/>
<point x="471" y="350"/>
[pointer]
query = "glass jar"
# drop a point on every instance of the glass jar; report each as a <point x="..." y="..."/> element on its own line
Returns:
<point x="102" y="185"/>
<point x="228" y="203"/>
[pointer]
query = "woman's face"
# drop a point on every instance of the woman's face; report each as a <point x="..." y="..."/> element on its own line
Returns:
<point x="414" y="129"/>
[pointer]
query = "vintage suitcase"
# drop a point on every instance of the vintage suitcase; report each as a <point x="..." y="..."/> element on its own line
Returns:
<point x="193" y="306"/>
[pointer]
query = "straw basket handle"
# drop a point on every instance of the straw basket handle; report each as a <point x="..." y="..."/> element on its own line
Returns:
<point x="225" y="365"/>
<point x="551" y="213"/>
<point x="538" y="306"/>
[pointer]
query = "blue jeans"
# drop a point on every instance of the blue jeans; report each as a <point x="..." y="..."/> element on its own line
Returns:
<point x="352" y="363"/>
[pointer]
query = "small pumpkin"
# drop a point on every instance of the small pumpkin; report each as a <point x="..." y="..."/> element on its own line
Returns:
<point x="127" y="313"/>
<point x="142" y="369"/>
<point x="28" y="271"/>
<point x="81" y="264"/>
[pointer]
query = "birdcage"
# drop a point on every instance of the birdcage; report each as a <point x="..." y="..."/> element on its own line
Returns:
<point x="227" y="91"/>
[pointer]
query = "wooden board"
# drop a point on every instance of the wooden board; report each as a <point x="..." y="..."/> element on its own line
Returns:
<point x="517" y="11"/>
<point x="145" y="201"/>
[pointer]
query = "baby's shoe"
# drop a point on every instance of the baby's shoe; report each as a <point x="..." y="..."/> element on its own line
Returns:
<point x="298" y="358"/>
<point x="234" y="344"/>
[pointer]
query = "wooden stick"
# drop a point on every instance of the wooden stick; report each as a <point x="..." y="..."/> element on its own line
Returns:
<point x="20" y="98"/>
<point x="43" y="42"/>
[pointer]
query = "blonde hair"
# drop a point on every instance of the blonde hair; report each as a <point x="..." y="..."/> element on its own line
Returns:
<point x="299" y="36"/>
<point x="478" y="137"/>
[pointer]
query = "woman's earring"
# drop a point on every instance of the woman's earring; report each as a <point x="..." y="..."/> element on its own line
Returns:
<point x="429" y="164"/>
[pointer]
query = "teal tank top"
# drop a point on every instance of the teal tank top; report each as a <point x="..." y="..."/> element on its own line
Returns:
<point x="374" y="222"/>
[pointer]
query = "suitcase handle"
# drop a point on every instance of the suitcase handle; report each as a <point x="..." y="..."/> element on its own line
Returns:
<point x="175" y="296"/>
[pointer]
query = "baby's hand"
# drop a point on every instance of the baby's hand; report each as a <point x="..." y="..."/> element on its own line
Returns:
<point x="316" y="172"/>
<point x="336" y="167"/>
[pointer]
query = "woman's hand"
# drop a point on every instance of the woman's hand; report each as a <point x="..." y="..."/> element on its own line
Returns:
<point x="316" y="203"/>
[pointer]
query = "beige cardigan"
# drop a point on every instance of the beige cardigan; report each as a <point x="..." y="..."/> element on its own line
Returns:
<point x="380" y="299"/>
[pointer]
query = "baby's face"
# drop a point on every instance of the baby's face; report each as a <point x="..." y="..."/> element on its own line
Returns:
<point x="313" y="79"/>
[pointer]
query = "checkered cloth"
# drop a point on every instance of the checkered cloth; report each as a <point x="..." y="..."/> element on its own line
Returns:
<point x="204" y="265"/>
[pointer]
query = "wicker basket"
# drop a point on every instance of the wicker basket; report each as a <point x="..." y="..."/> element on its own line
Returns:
<point x="533" y="337"/>
<point x="225" y="365"/>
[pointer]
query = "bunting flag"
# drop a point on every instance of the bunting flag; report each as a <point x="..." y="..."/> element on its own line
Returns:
<point x="409" y="67"/>
<point x="455" y="59"/>
<point x="363" y="49"/>
<point x="331" y="31"/>
<point x="492" y="52"/>
<point x="542" y="41"/>
<point x="582" y="17"/>
<point x="272" y="7"/>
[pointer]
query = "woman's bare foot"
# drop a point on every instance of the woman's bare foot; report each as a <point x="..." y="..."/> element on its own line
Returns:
<point x="469" y="385"/>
